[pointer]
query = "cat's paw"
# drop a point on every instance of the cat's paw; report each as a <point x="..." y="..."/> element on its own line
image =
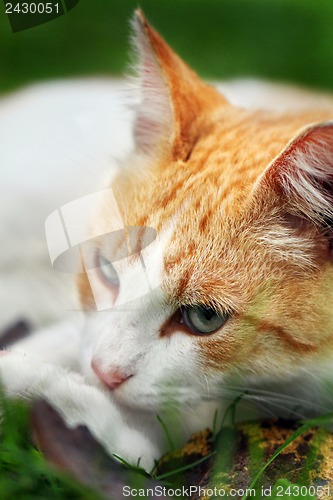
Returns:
<point x="78" y="403"/>
<point x="21" y="376"/>
<point x="134" y="447"/>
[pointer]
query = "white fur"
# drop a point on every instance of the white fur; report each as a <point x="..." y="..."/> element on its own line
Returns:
<point x="55" y="148"/>
<point x="78" y="403"/>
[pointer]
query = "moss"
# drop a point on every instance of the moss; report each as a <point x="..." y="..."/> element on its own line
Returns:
<point x="307" y="460"/>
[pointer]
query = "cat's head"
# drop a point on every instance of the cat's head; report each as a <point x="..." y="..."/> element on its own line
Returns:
<point x="239" y="278"/>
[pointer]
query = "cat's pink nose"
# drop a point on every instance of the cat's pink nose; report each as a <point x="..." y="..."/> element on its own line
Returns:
<point x="111" y="378"/>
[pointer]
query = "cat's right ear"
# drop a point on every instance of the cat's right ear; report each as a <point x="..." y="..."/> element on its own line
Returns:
<point x="174" y="101"/>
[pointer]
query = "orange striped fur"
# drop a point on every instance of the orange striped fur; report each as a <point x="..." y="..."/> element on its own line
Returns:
<point x="240" y="243"/>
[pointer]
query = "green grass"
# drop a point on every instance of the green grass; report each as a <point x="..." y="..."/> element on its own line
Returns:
<point x="24" y="474"/>
<point x="278" y="39"/>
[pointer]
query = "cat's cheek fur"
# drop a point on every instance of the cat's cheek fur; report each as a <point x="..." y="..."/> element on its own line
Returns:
<point x="163" y="368"/>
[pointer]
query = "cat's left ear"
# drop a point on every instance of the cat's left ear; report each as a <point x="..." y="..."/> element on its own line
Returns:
<point x="174" y="103"/>
<point x="301" y="176"/>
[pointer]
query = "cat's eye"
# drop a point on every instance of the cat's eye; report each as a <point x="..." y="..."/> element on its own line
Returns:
<point x="202" y="320"/>
<point x="106" y="270"/>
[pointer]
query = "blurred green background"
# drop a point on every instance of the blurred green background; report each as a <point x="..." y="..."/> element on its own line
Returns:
<point x="288" y="40"/>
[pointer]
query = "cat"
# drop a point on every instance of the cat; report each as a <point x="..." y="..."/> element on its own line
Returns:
<point x="237" y="207"/>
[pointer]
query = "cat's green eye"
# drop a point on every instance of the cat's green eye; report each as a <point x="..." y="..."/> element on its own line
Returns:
<point x="202" y="320"/>
<point x="107" y="271"/>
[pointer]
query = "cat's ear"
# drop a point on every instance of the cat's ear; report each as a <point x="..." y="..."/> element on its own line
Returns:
<point x="302" y="176"/>
<point x="174" y="102"/>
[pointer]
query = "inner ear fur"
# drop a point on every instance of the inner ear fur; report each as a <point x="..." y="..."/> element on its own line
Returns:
<point x="174" y="100"/>
<point x="300" y="178"/>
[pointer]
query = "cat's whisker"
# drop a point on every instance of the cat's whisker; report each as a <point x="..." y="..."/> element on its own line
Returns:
<point x="279" y="400"/>
<point x="205" y="384"/>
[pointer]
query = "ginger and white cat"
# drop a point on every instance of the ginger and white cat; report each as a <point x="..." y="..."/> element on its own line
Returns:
<point x="241" y="301"/>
